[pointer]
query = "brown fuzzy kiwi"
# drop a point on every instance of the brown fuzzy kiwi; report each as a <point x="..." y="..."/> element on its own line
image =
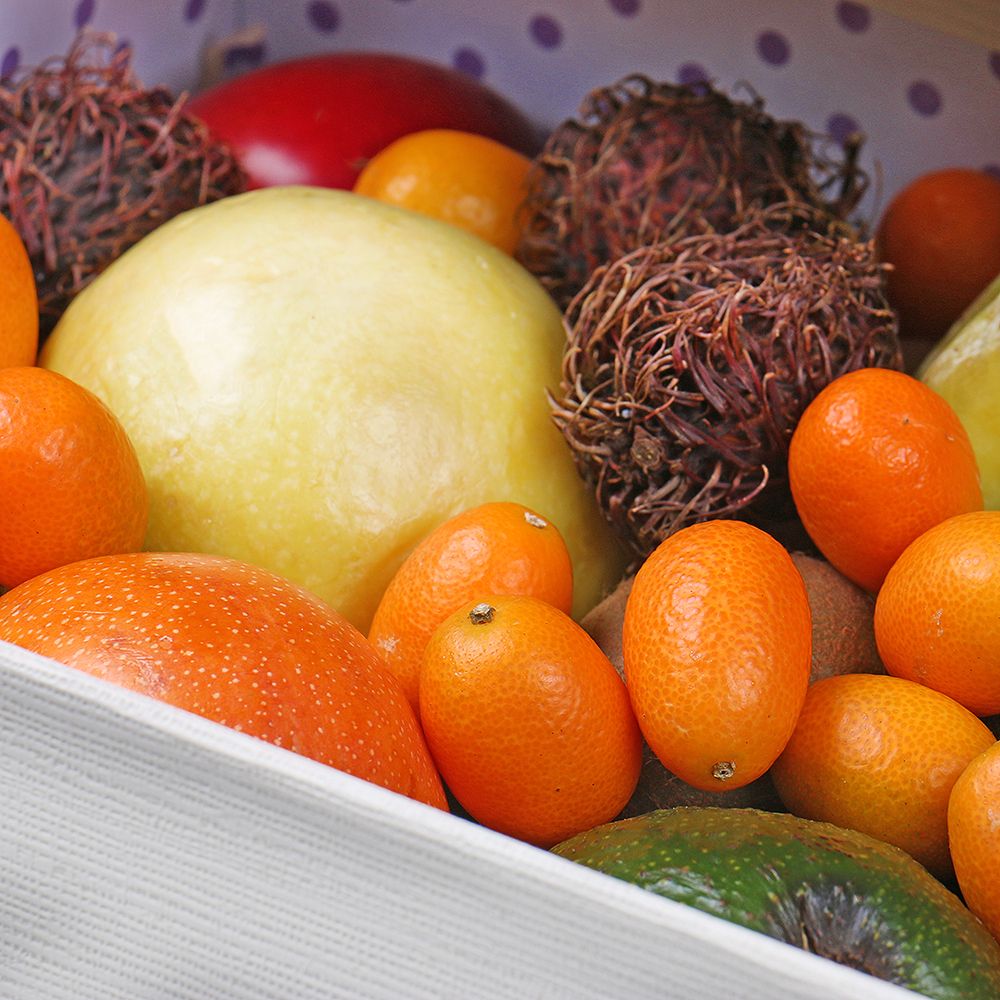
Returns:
<point x="843" y="626"/>
<point x="604" y="623"/>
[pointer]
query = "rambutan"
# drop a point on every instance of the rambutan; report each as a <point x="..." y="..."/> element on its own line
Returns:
<point x="649" y="162"/>
<point x="688" y="365"/>
<point x="92" y="161"/>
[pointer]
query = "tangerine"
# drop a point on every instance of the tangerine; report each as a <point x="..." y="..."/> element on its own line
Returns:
<point x="717" y="645"/>
<point x="528" y="722"/>
<point x="233" y="643"/>
<point x="941" y="234"/>
<point x="880" y="754"/>
<point x="496" y="548"/>
<point x="70" y="483"/>
<point x="876" y="459"/>
<point x="974" y="836"/>
<point x="18" y="300"/>
<point x="937" y="612"/>
<point x="462" y="178"/>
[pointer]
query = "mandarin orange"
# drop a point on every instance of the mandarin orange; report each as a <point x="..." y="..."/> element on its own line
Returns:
<point x="464" y="179"/>
<point x="880" y="755"/>
<point x="941" y="233"/>
<point x="18" y="300"/>
<point x="527" y="720"/>
<point x="974" y="836"/>
<point x="495" y="548"/>
<point x="876" y="459"/>
<point x="716" y="645"/>
<point x="71" y="486"/>
<point x="937" y="612"/>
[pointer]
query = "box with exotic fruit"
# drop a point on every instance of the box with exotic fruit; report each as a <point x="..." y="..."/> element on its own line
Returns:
<point x="499" y="502"/>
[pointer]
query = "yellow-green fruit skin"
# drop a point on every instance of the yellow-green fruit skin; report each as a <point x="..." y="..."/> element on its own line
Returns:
<point x="314" y="380"/>
<point x="965" y="369"/>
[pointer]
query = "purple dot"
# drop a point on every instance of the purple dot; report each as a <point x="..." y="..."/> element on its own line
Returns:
<point x="773" y="48"/>
<point x="546" y="31"/>
<point x="994" y="169"/>
<point x="469" y="61"/>
<point x="324" y="16"/>
<point x="853" y="16"/>
<point x="84" y="13"/>
<point x="841" y="127"/>
<point x="924" y="98"/>
<point x="194" y="10"/>
<point x="11" y="60"/>
<point x="691" y="74"/>
<point x="995" y="63"/>
<point x="627" y="8"/>
<point x="244" y="57"/>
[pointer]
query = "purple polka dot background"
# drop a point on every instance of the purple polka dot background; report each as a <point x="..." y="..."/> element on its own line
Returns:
<point x="323" y="16"/>
<point x="9" y="62"/>
<point x="627" y="8"/>
<point x="84" y="13"/>
<point x="692" y="74"/>
<point x="470" y="61"/>
<point x="853" y="16"/>
<point x="924" y="97"/>
<point x="921" y="99"/>
<point x="773" y="48"/>
<point x="842" y="127"/>
<point x="546" y="31"/>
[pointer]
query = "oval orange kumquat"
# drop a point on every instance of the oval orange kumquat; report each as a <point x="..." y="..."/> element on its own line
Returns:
<point x="527" y="720"/>
<point x="717" y="644"/>
<point x="468" y="180"/>
<point x="876" y="459"/>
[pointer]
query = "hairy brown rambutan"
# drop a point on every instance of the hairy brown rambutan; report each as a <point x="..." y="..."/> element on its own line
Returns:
<point x="92" y="161"/>
<point x="649" y="161"/>
<point x="688" y="364"/>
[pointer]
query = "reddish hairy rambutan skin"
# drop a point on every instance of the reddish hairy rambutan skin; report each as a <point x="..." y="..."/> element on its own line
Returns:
<point x="688" y="365"/>
<point x="92" y="161"/>
<point x="647" y="162"/>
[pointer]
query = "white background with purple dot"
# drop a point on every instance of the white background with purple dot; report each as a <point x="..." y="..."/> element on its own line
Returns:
<point x="924" y="100"/>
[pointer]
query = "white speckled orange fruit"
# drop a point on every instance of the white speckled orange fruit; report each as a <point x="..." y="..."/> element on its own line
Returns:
<point x="236" y="644"/>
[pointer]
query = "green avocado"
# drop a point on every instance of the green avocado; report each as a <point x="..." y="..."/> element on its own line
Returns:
<point x="834" y="892"/>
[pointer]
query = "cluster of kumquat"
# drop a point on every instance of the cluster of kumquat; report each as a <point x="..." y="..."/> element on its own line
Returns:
<point x="535" y="735"/>
<point x="886" y="482"/>
<point x="526" y="718"/>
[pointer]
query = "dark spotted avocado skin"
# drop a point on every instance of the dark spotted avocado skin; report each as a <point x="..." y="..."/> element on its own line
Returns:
<point x="834" y="892"/>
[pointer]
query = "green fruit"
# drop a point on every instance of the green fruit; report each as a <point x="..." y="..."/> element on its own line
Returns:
<point x="834" y="892"/>
<point x="965" y="368"/>
<point x="314" y="380"/>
